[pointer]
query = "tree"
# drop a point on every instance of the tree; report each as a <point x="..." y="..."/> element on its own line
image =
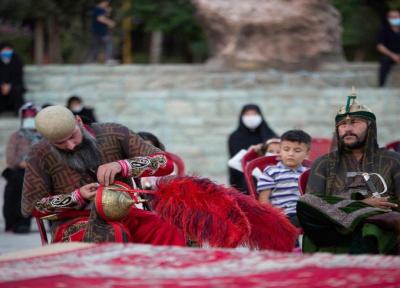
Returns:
<point x="175" y="17"/>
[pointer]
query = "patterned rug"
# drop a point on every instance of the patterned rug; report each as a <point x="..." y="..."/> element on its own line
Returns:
<point x="119" y="265"/>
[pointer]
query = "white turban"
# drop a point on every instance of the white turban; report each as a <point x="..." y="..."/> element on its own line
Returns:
<point x="55" y="123"/>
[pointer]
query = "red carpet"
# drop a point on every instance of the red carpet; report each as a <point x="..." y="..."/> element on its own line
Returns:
<point x="118" y="265"/>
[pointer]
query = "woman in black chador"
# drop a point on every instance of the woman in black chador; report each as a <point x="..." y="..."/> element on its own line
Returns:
<point x="252" y="130"/>
<point x="11" y="80"/>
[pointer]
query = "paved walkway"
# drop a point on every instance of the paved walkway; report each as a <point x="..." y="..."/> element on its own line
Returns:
<point x="13" y="242"/>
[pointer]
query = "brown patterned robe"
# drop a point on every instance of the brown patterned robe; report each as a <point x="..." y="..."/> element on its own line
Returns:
<point x="47" y="175"/>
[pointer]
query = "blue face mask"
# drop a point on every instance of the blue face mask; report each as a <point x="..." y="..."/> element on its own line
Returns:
<point x="394" y="21"/>
<point x="6" y="55"/>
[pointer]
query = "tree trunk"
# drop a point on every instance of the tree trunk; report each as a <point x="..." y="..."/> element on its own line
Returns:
<point x="156" y="47"/>
<point x="38" y="41"/>
<point x="127" y="39"/>
<point x="359" y="55"/>
<point x="53" y="28"/>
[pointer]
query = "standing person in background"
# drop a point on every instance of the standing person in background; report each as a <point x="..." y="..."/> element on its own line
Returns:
<point x="12" y="87"/>
<point x="17" y="150"/>
<point x="252" y="130"/>
<point x="101" y="38"/>
<point x="389" y="45"/>
<point x="75" y="104"/>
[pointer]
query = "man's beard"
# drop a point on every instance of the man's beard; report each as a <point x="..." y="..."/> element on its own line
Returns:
<point x="86" y="156"/>
<point x="359" y="143"/>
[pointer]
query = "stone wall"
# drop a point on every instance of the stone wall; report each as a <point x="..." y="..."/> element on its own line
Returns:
<point x="194" y="108"/>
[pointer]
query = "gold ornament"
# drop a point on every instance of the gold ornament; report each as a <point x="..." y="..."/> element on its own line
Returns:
<point x="112" y="203"/>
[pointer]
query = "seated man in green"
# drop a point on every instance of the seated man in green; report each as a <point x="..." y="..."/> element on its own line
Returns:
<point x="343" y="210"/>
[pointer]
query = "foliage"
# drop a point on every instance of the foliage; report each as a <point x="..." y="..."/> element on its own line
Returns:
<point x="173" y="17"/>
<point x="361" y="21"/>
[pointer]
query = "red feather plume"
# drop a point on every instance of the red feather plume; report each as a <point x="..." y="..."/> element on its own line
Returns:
<point x="221" y="216"/>
<point x="203" y="210"/>
<point x="270" y="228"/>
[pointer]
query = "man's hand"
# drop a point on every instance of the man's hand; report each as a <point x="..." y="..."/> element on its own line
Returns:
<point x="396" y="58"/>
<point x="106" y="173"/>
<point x="88" y="191"/>
<point x="5" y="88"/>
<point x="111" y="24"/>
<point x="382" y="203"/>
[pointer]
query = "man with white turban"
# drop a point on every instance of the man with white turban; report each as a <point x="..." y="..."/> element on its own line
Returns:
<point x="65" y="169"/>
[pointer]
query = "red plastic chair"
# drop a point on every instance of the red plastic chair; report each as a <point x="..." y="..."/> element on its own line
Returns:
<point x="395" y="145"/>
<point x="249" y="156"/>
<point x="261" y="163"/>
<point x="319" y="147"/>
<point x="303" y="179"/>
<point x="179" y="164"/>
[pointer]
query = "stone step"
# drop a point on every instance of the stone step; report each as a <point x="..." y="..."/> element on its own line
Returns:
<point x="156" y="77"/>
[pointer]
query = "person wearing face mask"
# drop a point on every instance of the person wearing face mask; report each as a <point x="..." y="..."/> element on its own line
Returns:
<point x="252" y="130"/>
<point x="17" y="150"/>
<point x="75" y="104"/>
<point x="12" y="86"/>
<point x="389" y="45"/>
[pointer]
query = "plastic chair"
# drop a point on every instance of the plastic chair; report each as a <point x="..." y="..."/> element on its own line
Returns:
<point x="249" y="156"/>
<point x="319" y="147"/>
<point x="179" y="164"/>
<point x="261" y="163"/>
<point x="303" y="179"/>
<point x="395" y="145"/>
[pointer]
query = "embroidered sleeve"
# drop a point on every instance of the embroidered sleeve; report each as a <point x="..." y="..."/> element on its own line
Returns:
<point x="153" y="165"/>
<point x="61" y="202"/>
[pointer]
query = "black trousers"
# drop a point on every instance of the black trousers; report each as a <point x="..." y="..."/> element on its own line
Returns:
<point x="386" y="64"/>
<point x="13" y="101"/>
<point x="12" y="200"/>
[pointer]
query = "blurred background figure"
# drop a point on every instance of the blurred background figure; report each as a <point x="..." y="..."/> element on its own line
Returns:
<point x="17" y="150"/>
<point x="12" y="87"/>
<point x="101" y="38"/>
<point x="47" y="104"/>
<point x="271" y="147"/>
<point x="389" y="45"/>
<point x="75" y="104"/>
<point x="252" y="130"/>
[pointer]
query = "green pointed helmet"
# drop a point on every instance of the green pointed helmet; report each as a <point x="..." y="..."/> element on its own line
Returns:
<point x="353" y="108"/>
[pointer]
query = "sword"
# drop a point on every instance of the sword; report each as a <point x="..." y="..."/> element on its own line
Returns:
<point x="367" y="179"/>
